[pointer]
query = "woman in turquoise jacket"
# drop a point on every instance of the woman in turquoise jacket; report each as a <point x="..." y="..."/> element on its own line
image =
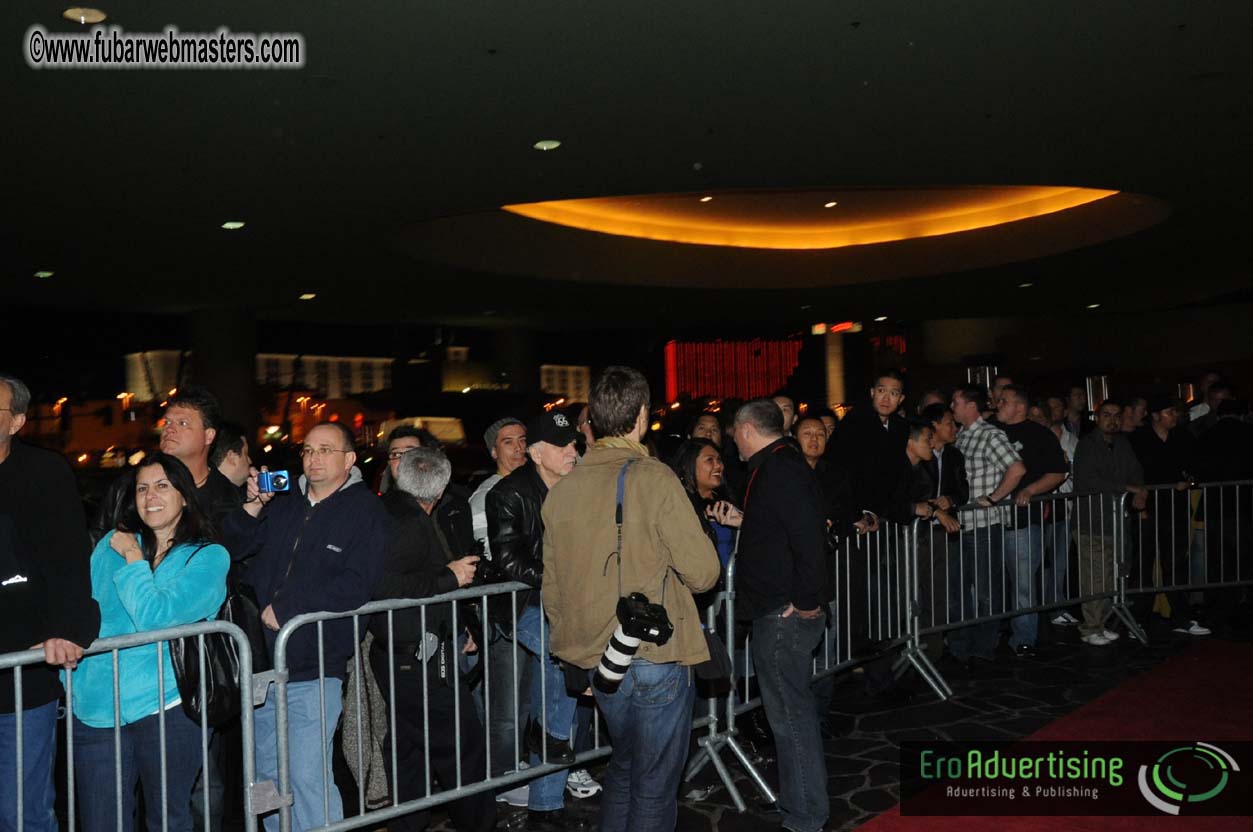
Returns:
<point x="164" y="573"/>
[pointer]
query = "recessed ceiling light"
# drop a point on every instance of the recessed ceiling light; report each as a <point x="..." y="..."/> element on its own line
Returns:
<point x="43" y="274"/>
<point x="308" y="296"/>
<point x="1094" y="305"/>
<point x="1025" y="285"/>
<point x="830" y="204"/>
<point x="706" y="199"/>
<point x="84" y="16"/>
<point x="232" y="225"/>
<point x="881" y="319"/>
<point x="547" y="144"/>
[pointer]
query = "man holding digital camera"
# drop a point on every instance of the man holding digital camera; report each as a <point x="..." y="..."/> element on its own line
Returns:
<point x="618" y="525"/>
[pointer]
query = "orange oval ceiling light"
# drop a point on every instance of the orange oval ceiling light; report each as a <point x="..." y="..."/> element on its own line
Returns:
<point x="801" y="219"/>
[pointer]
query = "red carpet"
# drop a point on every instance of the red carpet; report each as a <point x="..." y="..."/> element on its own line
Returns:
<point x="1203" y="694"/>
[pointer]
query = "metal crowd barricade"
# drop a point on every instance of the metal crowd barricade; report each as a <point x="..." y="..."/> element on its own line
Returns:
<point x="27" y="658"/>
<point x="477" y="597"/>
<point x="1190" y="538"/>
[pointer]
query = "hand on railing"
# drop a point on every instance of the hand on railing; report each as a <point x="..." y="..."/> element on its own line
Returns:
<point x="60" y="652"/>
<point x="268" y="618"/>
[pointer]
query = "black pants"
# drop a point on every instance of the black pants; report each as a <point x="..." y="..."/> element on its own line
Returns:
<point x="1161" y="535"/>
<point x="475" y="812"/>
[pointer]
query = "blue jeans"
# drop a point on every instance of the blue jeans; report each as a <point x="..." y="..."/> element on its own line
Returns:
<point x="551" y="707"/>
<point x="39" y="751"/>
<point x="650" y="721"/>
<point x="310" y="758"/>
<point x="783" y="654"/>
<point x="1056" y="569"/>
<point x="976" y="588"/>
<point x="1023" y="551"/>
<point x="141" y="763"/>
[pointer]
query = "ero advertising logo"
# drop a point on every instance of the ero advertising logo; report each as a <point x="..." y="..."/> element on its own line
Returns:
<point x="1189" y="774"/>
<point x="1042" y="778"/>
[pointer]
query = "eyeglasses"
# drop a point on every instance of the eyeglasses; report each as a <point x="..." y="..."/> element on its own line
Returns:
<point x="322" y="453"/>
<point x="399" y="454"/>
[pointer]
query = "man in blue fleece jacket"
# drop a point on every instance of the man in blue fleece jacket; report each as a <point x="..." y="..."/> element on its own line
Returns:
<point x="322" y="549"/>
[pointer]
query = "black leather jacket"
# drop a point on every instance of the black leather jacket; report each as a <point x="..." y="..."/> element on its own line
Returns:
<point x="514" y="529"/>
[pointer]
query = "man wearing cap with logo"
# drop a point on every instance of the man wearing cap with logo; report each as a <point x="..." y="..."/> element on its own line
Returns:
<point x="516" y="537"/>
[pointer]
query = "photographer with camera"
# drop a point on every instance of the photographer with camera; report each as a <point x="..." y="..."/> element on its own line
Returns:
<point x="623" y="553"/>
<point x="319" y="547"/>
<point x="784" y="586"/>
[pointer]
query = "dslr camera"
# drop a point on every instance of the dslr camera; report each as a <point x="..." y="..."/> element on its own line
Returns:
<point x="638" y="621"/>
<point x="269" y="482"/>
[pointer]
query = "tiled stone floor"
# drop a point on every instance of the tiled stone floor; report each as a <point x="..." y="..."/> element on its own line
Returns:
<point x="1007" y="699"/>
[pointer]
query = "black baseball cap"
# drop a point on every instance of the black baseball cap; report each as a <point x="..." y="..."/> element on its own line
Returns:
<point x="553" y="428"/>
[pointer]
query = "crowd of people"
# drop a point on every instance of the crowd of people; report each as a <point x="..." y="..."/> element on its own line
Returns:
<point x="620" y="553"/>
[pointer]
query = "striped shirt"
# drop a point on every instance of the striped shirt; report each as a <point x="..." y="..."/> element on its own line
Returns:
<point x="988" y="454"/>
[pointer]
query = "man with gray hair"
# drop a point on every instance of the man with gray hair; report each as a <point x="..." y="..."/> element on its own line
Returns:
<point x="45" y="603"/>
<point x="417" y="566"/>
<point x="784" y="587"/>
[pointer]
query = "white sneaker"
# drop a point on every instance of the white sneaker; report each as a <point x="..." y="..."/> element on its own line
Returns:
<point x="1070" y="619"/>
<point x="581" y="785"/>
<point x="1064" y="619"/>
<point x="1194" y="629"/>
<point x="1110" y="635"/>
<point x="516" y="797"/>
<point x="1096" y="639"/>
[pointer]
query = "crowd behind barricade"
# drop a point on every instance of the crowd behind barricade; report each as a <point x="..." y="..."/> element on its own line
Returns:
<point x="619" y="554"/>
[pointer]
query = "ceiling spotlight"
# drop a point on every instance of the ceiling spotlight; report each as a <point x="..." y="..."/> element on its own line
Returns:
<point x="84" y="16"/>
<point x="547" y="144"/>
<point x="308" y="296"/>
<point x="1025" y="285"/>
<point x="830" y="204"/>
<point x="881" y="319"/>
<point x="1094" y="305"/>
<point x="232" y="225"/>
<point x="706" y="199"/>
<point x="42" y="275"/>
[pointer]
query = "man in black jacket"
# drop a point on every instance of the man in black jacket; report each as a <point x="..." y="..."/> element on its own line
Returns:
<point x="45" y="603"/>
<point x="784" y="585"/>
<point x="516" y="536"/>
<point x="417" y="566"/>
<point x="320" y="550"/>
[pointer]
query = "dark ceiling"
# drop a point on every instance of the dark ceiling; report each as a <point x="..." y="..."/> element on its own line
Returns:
<point x="409" y="117"/>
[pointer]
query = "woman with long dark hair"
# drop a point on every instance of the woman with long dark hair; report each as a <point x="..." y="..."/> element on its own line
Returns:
<point x="159" y="568"/>
<point x="699" y="466"/>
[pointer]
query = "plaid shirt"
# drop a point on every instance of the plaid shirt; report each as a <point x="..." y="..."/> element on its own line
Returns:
<point x="988" y="454"/>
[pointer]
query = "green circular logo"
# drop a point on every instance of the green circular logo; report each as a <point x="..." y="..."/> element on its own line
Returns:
<point x="1186" y="775"/>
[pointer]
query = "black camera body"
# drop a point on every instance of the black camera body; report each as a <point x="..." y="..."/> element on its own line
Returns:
<point x="644" y="620"/>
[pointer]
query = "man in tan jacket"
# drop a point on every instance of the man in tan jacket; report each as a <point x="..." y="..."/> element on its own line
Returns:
<point x="664" y="554"/>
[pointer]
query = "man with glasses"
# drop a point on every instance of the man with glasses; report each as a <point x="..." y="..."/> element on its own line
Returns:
<point x="319" y="547"/>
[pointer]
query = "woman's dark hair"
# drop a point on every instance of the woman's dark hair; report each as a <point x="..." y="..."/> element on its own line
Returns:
<point x="683" y="463"/>
<point x="194" y="526"/>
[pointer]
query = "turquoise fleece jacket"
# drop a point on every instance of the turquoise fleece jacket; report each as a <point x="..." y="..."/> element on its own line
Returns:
<point x="133" y="598"/>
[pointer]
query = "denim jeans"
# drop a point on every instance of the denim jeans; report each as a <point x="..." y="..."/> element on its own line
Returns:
<point x="310" y="757"/>
<point x="141" y="763"/>
<point x="1056" y="568"/>
<point x="1023" y="551"/>
<point x="39" y="752"/>
<point x="551" y="707"/>
<point x="509" y="699"/>
<point x="783" y="654"/>
<point x="976" y="588"/>
<point x="650" y="721"/>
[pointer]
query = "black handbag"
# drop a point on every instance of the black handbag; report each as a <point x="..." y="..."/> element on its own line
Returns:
<point x="221" y="660"/>
<point x="718" y="666"/>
